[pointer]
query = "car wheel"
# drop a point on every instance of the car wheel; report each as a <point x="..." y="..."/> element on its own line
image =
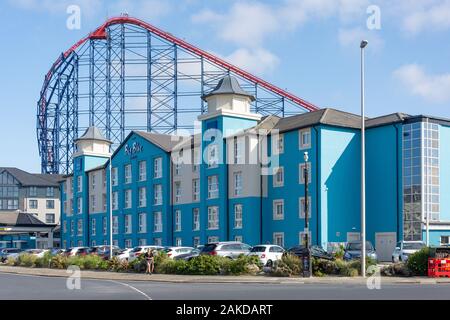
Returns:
<point x="269" y="263"/>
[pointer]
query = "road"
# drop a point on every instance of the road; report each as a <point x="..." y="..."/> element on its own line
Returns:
<point x="14" y="286"/>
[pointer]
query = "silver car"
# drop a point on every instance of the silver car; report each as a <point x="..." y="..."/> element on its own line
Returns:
<point x="228" y="249"/>
<point x="404" y="249"/>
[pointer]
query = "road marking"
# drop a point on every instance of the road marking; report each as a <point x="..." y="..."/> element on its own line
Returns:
<point x="133" y="288"/>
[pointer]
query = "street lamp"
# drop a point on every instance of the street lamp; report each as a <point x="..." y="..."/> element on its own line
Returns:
<point x="307" y="252"/>
<point x="363" y="44"/>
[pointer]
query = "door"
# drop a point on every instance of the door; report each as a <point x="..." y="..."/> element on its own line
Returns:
<point x="385" y="245"/>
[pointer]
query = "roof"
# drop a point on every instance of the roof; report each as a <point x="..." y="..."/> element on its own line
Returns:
<point x="20" y="219"/>
<point x="27" y="179"/>
<point x="93" y="133"/>
<point x="165" y="141"/>
<point x="387" y="119"/>
<point x="229" y="85"/>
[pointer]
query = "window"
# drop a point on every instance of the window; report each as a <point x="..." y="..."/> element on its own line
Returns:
<point x="65" y="226"/>
<point x="93" y="243"/>
<point x="278" y="179"/>
<point x="93" y="180"/>
<point x="72" y="228"/>
<point x="278" y="209"/>
<point x="177" y="220"/>
<point x="212" y="239"/>
<point x="301" y="173"/>
<point x="178" y="242"/>
<point x="195" y="190"/>
<point x="213" y="218"/>
<point x="278" y="144"/>
<point x="157" y="194"/>
<point x="114" y="177"/>
<point x="238" y="147"/>
<point x="115" y="226"/>
<point x="80" y="227"/>
<point x="196" y="160"/>
<point x="142" y="242"/>
<point x="142" y="170"/>
<point x="213" y="159"/>
<point x="33" y="191"/>
<point x="301" y="204"/>
<point x="128" y="225"/>
<point x="50" y="204"/>
<point x="105" y="226"/>
<point x="213" y="187"/>
<point x="50" y="192"/>
<point x="33" y="204"/>
<point x="104" y="178"/>
<point x="79" y="184"/>
<point x="195" y="219"/>
<point x="157" y="168"/>
<point x="305" y="138"/>
<point x="71" y="206"/>
<point x="157" y="241"/>
<point x="115" y="201"/>
<point x="142" y="197"/>
<point x="93" y="203"/>
<point x="238" y="238"/>
<point x="128" y="243"/>
<point x="278" y="239"/>
<point x="238" y="216"/>
<point x="80" y="204"/>
<point x="50" y="218"/>
<point x="302" y="237"/>
<point x="128" y="173"/>
<point x="195" y="241"/>
<point x="104" y="202"/>
<point x="238" y="183"/>
<point x="142" y="223"/>
<point x="128" y="199"/>
<point x="116" y="242"/>
<point x="157" y="216"/>
<point x="178" y="163"/>
<point x="93" y="231"/>
<point x="80" y="243"/>
<point x="177" y="192"/>
<point x="445" y="240"/>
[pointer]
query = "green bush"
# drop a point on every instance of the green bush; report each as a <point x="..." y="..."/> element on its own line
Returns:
<point x="241" y="265"/>
<point x="418" y="262"/>
<point x="289" y="265"/>
<point x="44" y="261"/>
<point x="26" y="260"/>
<point x="205" y="265"/>
<point x="117" y="265"/>
<point x="59" y="262"/>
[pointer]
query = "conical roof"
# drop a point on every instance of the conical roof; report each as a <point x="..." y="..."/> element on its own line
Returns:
<point x="93" y="133"/>
<point x="228" y="85"/>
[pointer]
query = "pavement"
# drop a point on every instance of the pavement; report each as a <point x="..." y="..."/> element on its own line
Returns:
<point x="259" y="279"/>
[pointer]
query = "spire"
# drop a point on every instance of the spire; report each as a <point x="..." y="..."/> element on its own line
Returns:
<point x="229" y="85"/>
<point x="93" y="133"/>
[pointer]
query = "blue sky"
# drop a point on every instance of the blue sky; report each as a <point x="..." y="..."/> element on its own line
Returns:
<point x="309" y="47"/>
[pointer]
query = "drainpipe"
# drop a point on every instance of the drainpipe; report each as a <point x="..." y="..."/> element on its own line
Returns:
<point x="260" y="191"/>
<point x="227" y="214"/>
<point x="397" y="180"/>
<point x="317" y="185"/>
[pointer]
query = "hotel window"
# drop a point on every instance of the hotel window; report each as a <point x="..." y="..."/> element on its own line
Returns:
<point x="93" y="231"/>
<point x="157" y="241"/>
<point x="212" y="239"/>
<point x="142" y="242"/>
<point x="128" y="173"/>
<point x="71" y="206"/>
<point x="301" y="173"/>
<point x="195" y="241"/>
<point x="50" y="218"/>
<point x="195" y="190"/>
<point x="213" y="157"/>
<point x="128" y="199"/>
<point x="116" y="242"/>
<point x="238" y="148"/>
<point x="157" y="194"/>
<point x="105" y="226"/>
<point x="213" y="187"/>
<point x="213" y="218"/>
<point x="302" y="238"/>
<point x="305" y="138"/>
<point x="237" y="183"/>
<point x="142" y="197"/>
<point x="177" y="220"/>
<point x="72" y="228"/>
<point x="195" y="219"/>
<point x="142" y="170"/>
<point x="238" y="238"/>
<point x="65" y="226"/>
<point x="115" y="201"/>
<point x="93" y="203"/>
<point x="104" y="178"/>
<point x="445" y="240"/>
<point x="278" y="209"/>
<point x="115" y="226"/>
<point x="80" y="205"/>
<point x="104" y="202"/>
<point x="50" y="204"/>
<point x="65" y="207"/>
<point x="33" y="204"/>
<point x="301" y="203"/>
<point x="196" y="160"/>
<point x="278" y="143"/>
<point x="278" y="238"/>
<point x="178" y="163"/>
<point x="128" y="225"/>
<point x="33" y="191"/>
<point x="278" y="178"/>
<point x="80" y="227"/>
<point x="79" y="184"/>
<point x="50" y="192"/>
<point x="114" y="176"/>
<point x="93" y="180"/>
<point x="93" y="243"/>
<point x="177" y="192"/>
<point x="157" y="221"/>
<point x="238" y="216"/>
<point x="178" y="242"/>
<point x="128" y="243"/>
<point x="142" y="223"/>
<point x="157" y="167"/>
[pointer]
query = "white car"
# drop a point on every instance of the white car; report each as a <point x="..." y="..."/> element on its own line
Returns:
<point x="34" y="252"/>
<point x="137" y="251"/>
<point x="77" y="251"/>
<point x="172" y="252"/>
<point x="124" y="255"/>
<point x="404" y="249"/>
<point x="267" y="253"/>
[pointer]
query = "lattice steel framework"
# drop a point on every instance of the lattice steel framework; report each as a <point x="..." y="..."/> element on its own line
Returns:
<point x="128" y="75"/>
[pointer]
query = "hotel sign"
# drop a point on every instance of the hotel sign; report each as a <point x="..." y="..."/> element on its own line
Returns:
<point x="135" y="148"/>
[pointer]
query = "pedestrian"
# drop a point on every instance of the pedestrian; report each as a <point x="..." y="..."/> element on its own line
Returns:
<point x="150" y="259"/>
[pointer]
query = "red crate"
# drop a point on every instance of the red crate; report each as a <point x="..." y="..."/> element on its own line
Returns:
<point x="438" y="267"/>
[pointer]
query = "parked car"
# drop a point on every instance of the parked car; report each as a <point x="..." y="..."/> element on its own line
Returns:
<point x="228" y="249"/>
<point x="37" y="252"/>
<point x="267" y="253"/>
<point x="405" y="248"/>
<point x="137" y="251"/>
<point x="124" y="254"/>
<point x="56" y="251"/>
<point x="77" y="251"/>
<point x="6" y="251"/>
<point x="353" y="250"/>
<point x="316" y="252"/>
<point x="173" y="252"/>
<point x="103" y="251"/>
<point x="188" y="256"/>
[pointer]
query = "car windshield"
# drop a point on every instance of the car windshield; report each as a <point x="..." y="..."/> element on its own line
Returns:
<point x="209" y="248"/>
<point x="354" y="246"/>
<point x="258" y="249"/>
<point x="137" y="249"/>
<point x="413" y="245"/>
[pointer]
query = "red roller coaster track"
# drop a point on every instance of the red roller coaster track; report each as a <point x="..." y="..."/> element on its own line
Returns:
<point x="100" y="33"/>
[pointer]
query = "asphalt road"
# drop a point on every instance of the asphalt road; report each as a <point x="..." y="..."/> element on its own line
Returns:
<point x="20" y="287"/>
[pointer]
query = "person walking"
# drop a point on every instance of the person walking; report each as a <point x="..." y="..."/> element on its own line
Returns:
<point x="150" y="259"/>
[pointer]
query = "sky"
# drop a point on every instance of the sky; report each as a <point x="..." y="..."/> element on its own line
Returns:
<point x="308" y="47"/>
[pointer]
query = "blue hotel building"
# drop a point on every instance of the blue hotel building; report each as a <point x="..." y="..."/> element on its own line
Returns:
<point x="240" y="178"/>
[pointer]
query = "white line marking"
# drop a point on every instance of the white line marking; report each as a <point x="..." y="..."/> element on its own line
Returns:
<point x="133" y="288"/>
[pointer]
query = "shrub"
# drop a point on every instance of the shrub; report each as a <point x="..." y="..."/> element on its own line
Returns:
<point x="289" y="265"/>
<point x="339" y="254"/>
<point x="117" y="265"/>
<point x="418" y="262"/>
<point x="44" y="261"/>
<point x="26" y="260"/>
<point x="396" y="269"/>
<point x="91" y="262"/>
<point x="205" y="265"/>
<point x="59" y="262"/>
<point x="241" y="265"/>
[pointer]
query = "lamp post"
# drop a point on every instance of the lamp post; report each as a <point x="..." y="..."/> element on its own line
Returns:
<point x="110" y="210"/>
<point x="363" y="44"/>
<point x="307" y="252"/>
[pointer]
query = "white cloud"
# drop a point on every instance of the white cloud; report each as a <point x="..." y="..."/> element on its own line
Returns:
<point x="435" y="17"/>
<point x="144" y="9"/>
<point x="431" y="87"/>
<point x="352" y="36"/>
<point x="258" y="61"/>
<point x="88" y="7"/>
